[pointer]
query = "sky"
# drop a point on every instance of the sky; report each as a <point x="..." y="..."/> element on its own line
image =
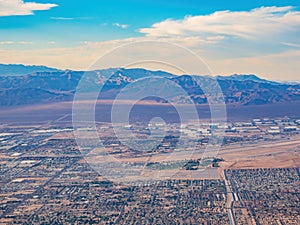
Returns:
<point x="231" y="37"/>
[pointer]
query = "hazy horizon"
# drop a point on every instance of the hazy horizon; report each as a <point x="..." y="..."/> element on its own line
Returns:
<point x="231" y="38"/>
<point x="153" y="70"/>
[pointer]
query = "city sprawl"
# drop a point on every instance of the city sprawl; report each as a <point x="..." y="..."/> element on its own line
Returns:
<point x="255" y="179"/>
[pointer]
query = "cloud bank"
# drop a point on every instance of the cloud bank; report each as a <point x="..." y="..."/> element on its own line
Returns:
<point x="21" y="8"/>
<point x="256" y="24"/>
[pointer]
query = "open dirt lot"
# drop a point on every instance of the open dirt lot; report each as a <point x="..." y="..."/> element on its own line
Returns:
<point x="279" y="154"/>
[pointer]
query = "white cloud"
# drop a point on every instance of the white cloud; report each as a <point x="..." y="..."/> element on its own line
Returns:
<point x="61" y="18"/>
<point x="123" y="26"/>
<point x="291" y="44"/>
<point x="13" y="43"/>
<point x="255" y="24"/>
<point x="19" y="7"/>
<point x="6" y="42"/>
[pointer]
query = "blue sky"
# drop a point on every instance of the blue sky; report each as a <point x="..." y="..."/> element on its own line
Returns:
<point x="48" y="27"/>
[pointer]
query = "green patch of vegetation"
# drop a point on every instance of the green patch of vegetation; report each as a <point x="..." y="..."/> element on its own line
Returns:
<point x="185" y="164"/>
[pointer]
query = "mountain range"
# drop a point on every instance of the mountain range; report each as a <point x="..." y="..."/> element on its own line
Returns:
<point x="19" y="70"/>
<point x="25" y="85"/>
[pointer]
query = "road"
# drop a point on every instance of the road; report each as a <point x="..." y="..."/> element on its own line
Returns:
<point x="229" y="202"/>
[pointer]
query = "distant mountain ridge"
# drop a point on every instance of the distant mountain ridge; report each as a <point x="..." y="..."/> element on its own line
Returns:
<point x="20" y="69"/>
<point x="244" y="77"/>
<point x="57" y="85"/>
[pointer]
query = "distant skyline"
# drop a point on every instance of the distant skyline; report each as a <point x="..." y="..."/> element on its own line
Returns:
<point x="243" y="37"/>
